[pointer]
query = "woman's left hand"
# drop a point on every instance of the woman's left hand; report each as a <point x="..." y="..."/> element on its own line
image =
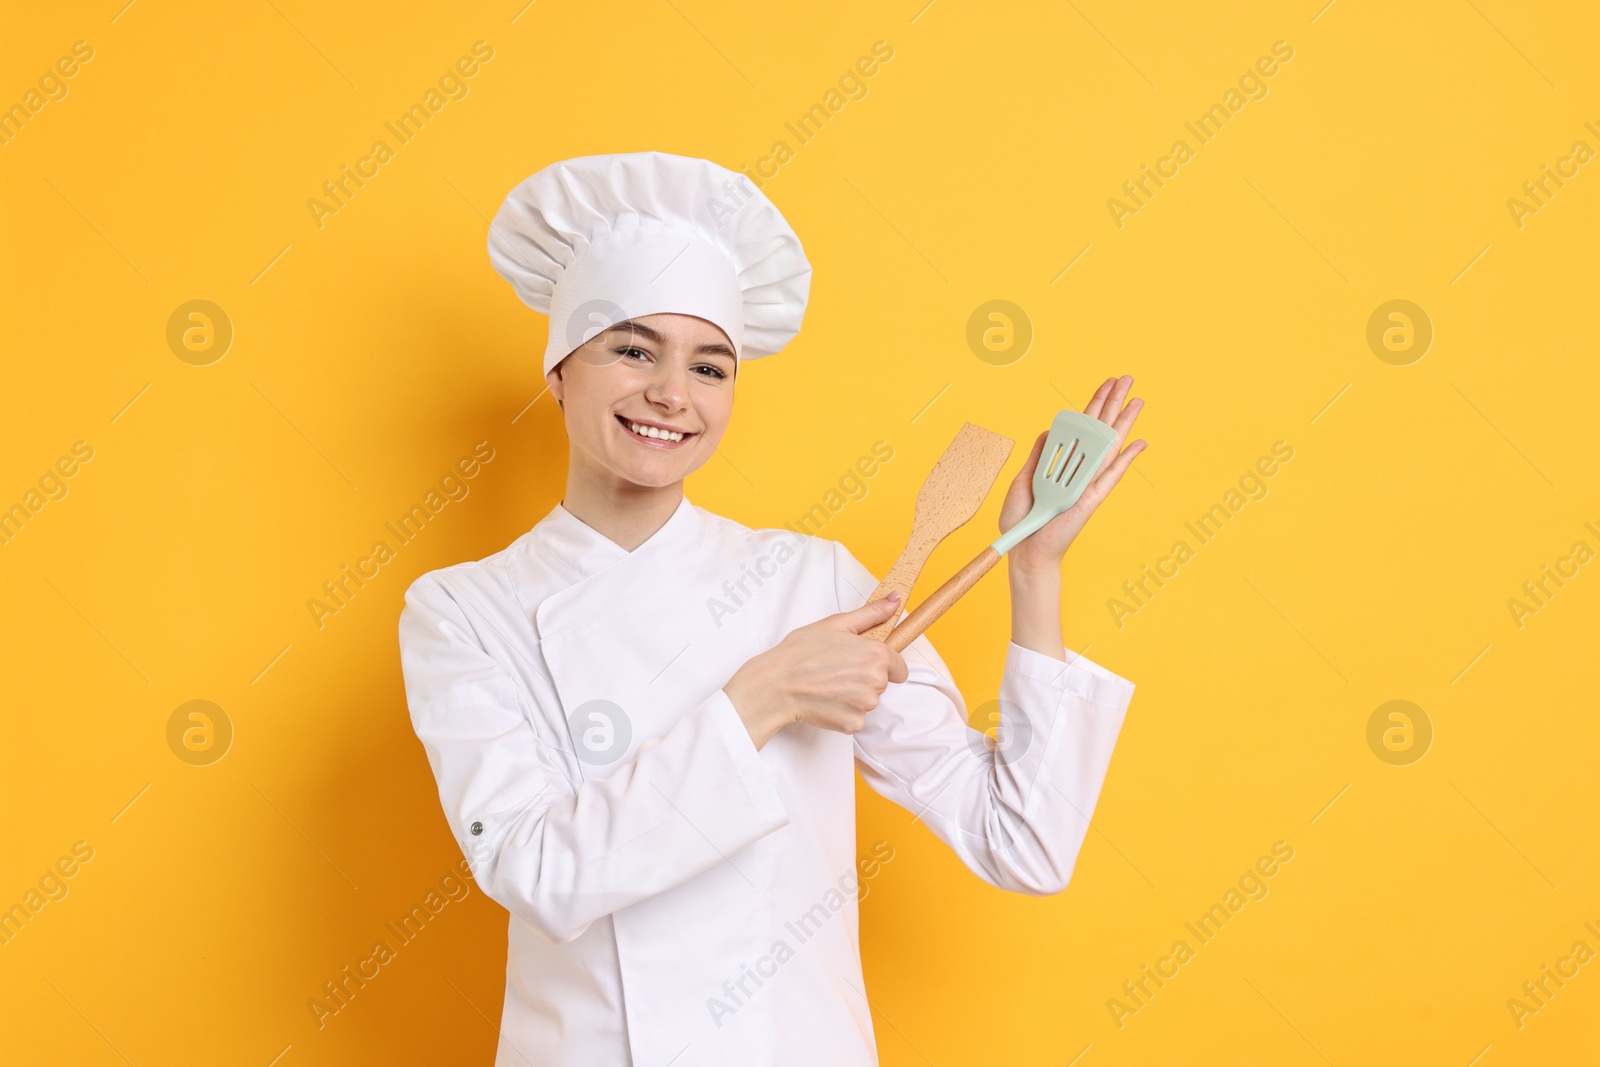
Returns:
<point x="1042" y="550"/>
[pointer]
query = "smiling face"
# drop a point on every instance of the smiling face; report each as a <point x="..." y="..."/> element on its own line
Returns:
<point x="666" y="375"/>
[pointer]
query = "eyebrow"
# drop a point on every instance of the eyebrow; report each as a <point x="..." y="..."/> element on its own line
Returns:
<point x="649" y="334"/>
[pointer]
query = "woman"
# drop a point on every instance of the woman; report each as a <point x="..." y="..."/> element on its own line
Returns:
<point x="662" y="795"/>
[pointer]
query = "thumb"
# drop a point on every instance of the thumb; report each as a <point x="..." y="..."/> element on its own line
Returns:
<point x="1023" y="482"/>
<point x="859" y="620"/>
<point x="1033" y="457"/>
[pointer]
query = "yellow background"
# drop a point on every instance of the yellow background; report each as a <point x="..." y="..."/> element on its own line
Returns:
<point x="370" y="353"/>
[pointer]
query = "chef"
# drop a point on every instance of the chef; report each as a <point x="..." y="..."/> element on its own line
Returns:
<point x="662" y="794"/>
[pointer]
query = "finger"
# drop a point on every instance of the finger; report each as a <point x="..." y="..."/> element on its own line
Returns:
<point x="1097" y="402"/>
<point x="1113" y="403"/>
<point x="859" y="620"/>
<point x="1038" y="450"/>
<point x="898" y="671"/>
<point x="1129" y="412"/>
<point x="1122" y="425"/>
<point x="1026" y="473"/>
<point x="1113" y="474"/>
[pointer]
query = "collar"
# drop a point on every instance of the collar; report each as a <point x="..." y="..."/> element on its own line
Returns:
<point x="587" y="551"/>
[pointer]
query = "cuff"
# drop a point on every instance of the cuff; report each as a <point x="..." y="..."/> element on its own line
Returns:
<point x="1078" y="675"/>
<point x="729" y="728"/>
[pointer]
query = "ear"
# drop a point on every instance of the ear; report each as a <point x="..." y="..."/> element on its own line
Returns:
<point x="557" y="386"/>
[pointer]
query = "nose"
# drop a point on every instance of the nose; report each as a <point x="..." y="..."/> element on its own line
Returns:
<point x="668" y="387"/>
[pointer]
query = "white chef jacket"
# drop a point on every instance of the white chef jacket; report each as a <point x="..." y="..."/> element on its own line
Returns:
<point x="675" y="893"/>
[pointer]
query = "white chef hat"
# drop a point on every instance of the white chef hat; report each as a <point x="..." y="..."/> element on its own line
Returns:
<point x="596" y="240"/>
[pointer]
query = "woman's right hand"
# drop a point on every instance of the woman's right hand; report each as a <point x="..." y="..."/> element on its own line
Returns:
<point x="824" y="674"/>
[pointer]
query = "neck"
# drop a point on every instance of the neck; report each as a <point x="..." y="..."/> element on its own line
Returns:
<point x="624" y="513"/>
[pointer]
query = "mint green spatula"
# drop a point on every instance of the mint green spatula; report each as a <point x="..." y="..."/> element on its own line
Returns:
<point x="1073" y="453"/>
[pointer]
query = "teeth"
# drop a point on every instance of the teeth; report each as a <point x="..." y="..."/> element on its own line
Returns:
<point x="651" y="431"/>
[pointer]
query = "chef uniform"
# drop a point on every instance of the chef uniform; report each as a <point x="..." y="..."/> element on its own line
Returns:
<point x="676" y="895"/>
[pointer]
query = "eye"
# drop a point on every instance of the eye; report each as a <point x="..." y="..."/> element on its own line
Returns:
<point x="716" y="374"/>
<point x="626" y="349"/>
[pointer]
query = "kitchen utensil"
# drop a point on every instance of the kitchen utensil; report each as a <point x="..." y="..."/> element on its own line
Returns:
<point x="1073" y="453"/>
<point x="951" y="495"/>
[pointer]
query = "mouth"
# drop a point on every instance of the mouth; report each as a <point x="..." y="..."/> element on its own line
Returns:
<point x="652" y="436"/>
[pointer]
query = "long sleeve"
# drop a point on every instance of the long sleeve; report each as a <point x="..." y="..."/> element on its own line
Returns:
<point x="554" y="848"/>
<point x="1017" y="813"/>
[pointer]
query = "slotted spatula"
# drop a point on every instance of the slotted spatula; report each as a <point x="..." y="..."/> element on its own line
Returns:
<point x="950" y="496"/>
<point x="1073" y="453"/>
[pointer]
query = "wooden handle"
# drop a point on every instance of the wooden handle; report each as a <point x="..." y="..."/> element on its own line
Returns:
<point x="936" y="605"/>
<point x="902" y="576"/>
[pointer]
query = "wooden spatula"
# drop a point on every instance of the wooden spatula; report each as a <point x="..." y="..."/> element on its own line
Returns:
<point x="950" y="496"/>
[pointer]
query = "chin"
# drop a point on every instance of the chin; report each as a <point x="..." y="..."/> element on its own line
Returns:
<point x="655" y="475"/>
<point x="646" y="481"/>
